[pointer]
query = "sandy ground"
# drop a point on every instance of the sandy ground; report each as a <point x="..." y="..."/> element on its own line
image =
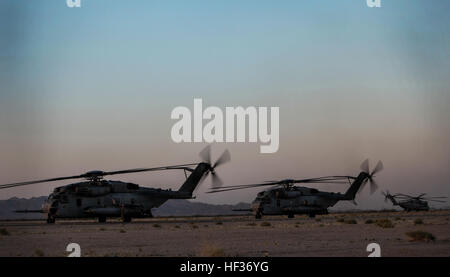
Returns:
<point x="231" y="236"/>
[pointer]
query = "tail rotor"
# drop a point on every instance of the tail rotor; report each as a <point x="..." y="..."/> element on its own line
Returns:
<point x="370" y="175"/>
<point x="205" y="155"/>
<point x="386" y="196"/>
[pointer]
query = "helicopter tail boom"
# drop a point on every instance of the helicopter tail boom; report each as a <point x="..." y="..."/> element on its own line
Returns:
<point x="391" y="198"/>
<point x="350" y="194"/>
<point x="195" y="178"/>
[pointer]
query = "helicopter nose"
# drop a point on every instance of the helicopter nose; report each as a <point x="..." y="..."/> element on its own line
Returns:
<point x="256" y="205"/>
<point x="53" y="207"/>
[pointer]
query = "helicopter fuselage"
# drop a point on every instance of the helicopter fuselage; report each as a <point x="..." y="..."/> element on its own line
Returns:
<point x="414" y="205"/>
<point x="294" y="200"/>
<point x="410" y="203"/>
<point x="106" y="199"/>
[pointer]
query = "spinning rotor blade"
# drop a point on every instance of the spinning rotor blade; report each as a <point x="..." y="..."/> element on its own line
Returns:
<point x="224" y="158"/>
<point x="386" y="194"/>
<point x="373" y="186"/>
<point x="205" y="154"/>
<point x="377" y="168"/>
<point x="216" y="181"/>
<point x="365" y="166"/>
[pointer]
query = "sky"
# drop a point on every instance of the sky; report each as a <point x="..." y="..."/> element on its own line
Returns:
<point x="93" y="88"/>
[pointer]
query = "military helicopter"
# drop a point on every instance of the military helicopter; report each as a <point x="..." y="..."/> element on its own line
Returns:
<point x="411" y="203"/>
<point x="99" y="198"/>
<point x="284" y="198"/>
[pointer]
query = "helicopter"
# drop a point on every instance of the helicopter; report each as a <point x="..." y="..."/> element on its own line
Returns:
<point x="411" y="203"/>
<point x="284" y="198"/>
<point x="99" y="198"/>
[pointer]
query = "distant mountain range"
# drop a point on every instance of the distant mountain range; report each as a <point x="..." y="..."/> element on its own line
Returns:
<point x="170" y="208"/>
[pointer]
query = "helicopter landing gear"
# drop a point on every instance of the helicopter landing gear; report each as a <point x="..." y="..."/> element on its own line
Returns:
<point x="258" y="215"/>
<point x="290" y="215"/>
<point x="312" y="215"/>
<point x="102" y="219"/>
<point x="126" y="219"/>
<point x="50" y="219"/>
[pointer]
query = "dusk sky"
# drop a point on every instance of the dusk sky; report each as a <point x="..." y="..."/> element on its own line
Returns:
<point x="94" y="87"/>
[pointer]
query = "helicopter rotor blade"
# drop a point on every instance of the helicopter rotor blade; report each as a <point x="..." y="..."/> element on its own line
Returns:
<point x="365" y="166"/>
<point x="223" y="189"/>
<point x="440" y="201"/>
<point x="373" y="186"/>
<point x="320" y="180"/>
<point x="331" y="179"/>
<point x="377" y="168"/>
<point x="385" y="197"/>
<point x="40" y="181"/>
<point x="224" y="158"/>
<point x="216" y="181"/>
<point x="136" y="170"/>
<point x="403" y="195"/>
<point x="92" y="174"/>
<point x="205" y="154"/>
<point x="248" y="186"/>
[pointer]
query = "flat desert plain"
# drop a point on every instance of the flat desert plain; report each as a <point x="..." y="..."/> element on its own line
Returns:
<point x="336" y="234"/>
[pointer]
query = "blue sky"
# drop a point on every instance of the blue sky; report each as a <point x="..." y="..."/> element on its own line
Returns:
<point x="82" y="87"/>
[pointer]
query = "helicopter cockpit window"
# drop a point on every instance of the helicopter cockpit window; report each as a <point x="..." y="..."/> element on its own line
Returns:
<point x="64" y="199"/>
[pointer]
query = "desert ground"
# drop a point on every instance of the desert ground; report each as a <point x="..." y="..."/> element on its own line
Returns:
<point x="338" y="234"/>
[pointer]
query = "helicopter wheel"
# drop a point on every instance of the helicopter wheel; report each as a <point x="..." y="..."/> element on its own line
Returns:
<point x="290" y="215"/>
<point x="102" y="219"/>
<point x="50" y="219"/>
<point x="312" y="215"/>
<point x="126" y="219"/>
<point x="258" y="215"/>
